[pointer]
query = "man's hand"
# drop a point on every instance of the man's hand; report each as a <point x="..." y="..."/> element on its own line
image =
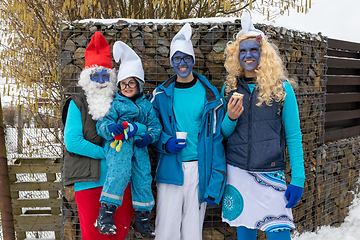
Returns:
<point x="210" y="202"/>
<point x="173" y="145"/>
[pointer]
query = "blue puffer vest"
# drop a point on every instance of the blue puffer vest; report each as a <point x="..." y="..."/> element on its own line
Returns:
<point x="258" y="142"/>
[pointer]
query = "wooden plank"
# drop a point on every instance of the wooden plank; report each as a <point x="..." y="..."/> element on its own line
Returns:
<point x="342" y="97"/>
<point x="342" y="71"/>
<point x="36" y="202"/>
<point x="342" y="115"/>
<point x="36" y="186"/>
<point x="341" y="106"/>
<point x="38" y="160"/>
<point x="37" y="223"/>
<point x="334" y="80"/>
<point x="34" y="168"/>
<point x="342" y="89"/>
<point x="37" y="211"/>
<point x="333" y="135"/>
<point x="335" y="62"/>
<point x="340" y="53"/>
<point x="346" y="45"/>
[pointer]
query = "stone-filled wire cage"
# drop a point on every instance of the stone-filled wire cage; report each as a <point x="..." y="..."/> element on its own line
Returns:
<point x="303" y="54"/>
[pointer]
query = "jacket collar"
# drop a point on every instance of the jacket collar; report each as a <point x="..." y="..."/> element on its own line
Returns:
<point x="168" y="86"/>
<point x="243" y="84"/>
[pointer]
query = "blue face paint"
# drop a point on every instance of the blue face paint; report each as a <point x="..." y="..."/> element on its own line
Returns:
<point x="249" y="54"/>
<point x="100" y="76"/>
<point x="182" y="64"/>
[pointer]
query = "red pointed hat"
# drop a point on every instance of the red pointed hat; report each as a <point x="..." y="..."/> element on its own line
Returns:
<point x="98" y="52"/>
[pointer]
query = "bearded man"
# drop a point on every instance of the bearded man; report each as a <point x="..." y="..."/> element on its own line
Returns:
<point x="84" y="160"/>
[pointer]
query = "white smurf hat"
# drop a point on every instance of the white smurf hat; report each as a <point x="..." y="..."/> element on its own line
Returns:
<point x="131" y="65"/>
<point x="247" y="27"/>
<point x="182" y="42"/>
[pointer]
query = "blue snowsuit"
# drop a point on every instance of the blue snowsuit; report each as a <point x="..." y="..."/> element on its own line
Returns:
<point x="130" y="164"/>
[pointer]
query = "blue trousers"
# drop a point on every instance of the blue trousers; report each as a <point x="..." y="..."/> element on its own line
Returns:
<point x="130" y="164"/>
<point x="244" y="233"/>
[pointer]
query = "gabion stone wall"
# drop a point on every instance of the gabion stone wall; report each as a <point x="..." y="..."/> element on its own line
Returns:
<point x="303" y="54"/>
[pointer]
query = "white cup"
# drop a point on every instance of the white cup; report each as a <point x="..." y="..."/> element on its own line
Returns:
<point x="181" y="135"/>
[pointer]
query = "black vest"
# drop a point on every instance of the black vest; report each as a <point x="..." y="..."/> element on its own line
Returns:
<point x="258" y="142"/>
<point x="78" y="168"/>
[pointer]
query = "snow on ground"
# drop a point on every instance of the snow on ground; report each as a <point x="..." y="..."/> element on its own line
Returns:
<point x="349" y="230"/>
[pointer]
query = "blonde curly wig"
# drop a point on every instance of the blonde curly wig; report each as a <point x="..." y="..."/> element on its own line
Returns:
<point x="270" y="73"/>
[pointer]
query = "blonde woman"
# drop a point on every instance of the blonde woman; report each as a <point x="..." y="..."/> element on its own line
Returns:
<point x="262" y="119"/>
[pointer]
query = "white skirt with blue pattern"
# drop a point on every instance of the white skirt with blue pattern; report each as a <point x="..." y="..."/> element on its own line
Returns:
<point x="256" y="200"/>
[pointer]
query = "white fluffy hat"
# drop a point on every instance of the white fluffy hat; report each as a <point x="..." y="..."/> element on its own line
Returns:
<point x="131" y="65"/>
<point x="247" y="27"/>
<point x="182" y="42"/>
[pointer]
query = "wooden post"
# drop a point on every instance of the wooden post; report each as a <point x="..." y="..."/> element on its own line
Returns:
<point x="7" y="220"/>
<point x="20" y="131"/>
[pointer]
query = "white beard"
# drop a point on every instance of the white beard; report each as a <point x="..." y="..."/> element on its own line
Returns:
<point x="99" y="96"/>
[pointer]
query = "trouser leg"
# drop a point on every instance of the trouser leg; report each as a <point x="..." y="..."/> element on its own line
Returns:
<point x="193" y="213"/>
<point x="282" y="235"/>
<point x="141" y="179"/>
<point x="244" y="233"/>
<point x="88" y="209"/>
<point x="118" y="174"/>
<point x="168" y="211"/>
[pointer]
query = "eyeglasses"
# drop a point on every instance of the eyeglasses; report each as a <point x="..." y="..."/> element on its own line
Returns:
<point x="131" y="84"/>
<point x="178" y="59"/>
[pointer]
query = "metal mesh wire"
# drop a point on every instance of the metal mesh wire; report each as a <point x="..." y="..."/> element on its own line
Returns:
<point x="328" y="167"/>
<point x="331" y="169"/>
<point x="302" y="54"/>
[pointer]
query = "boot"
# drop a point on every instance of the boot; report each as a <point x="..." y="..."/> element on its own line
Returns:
<point x="142" y="224"/>
<point x="105" y="221"/>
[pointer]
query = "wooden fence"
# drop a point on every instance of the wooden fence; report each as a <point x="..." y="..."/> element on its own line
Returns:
<point x="29" y="214"/>
<point x="342" y="116"/>
<point x="342" y="120"/>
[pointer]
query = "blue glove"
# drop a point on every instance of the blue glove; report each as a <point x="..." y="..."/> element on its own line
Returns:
<point x="172" y="145"/>
<point x="116" y="128"/>
<point x="132" y="129"/>
<point x="143" y="141"/>
<point x="210" y="202"/>
<point x="293" y="195"/>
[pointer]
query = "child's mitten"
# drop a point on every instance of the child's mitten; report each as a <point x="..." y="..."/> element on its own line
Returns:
<point x="144" y="141"/>
<point x="116" y="128"/>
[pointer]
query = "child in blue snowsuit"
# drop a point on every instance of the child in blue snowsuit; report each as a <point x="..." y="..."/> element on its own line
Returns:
<point x="131" y="163"/>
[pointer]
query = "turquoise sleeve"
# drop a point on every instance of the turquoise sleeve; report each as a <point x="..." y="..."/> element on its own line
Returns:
<point x="142" y="129"/>
<point x="290" y="117"/>
<point x="227" y="126"/>
<point x="73" y="136"/>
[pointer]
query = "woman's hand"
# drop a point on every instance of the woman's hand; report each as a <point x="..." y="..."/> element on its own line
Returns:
<point x="235" y="108"/>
